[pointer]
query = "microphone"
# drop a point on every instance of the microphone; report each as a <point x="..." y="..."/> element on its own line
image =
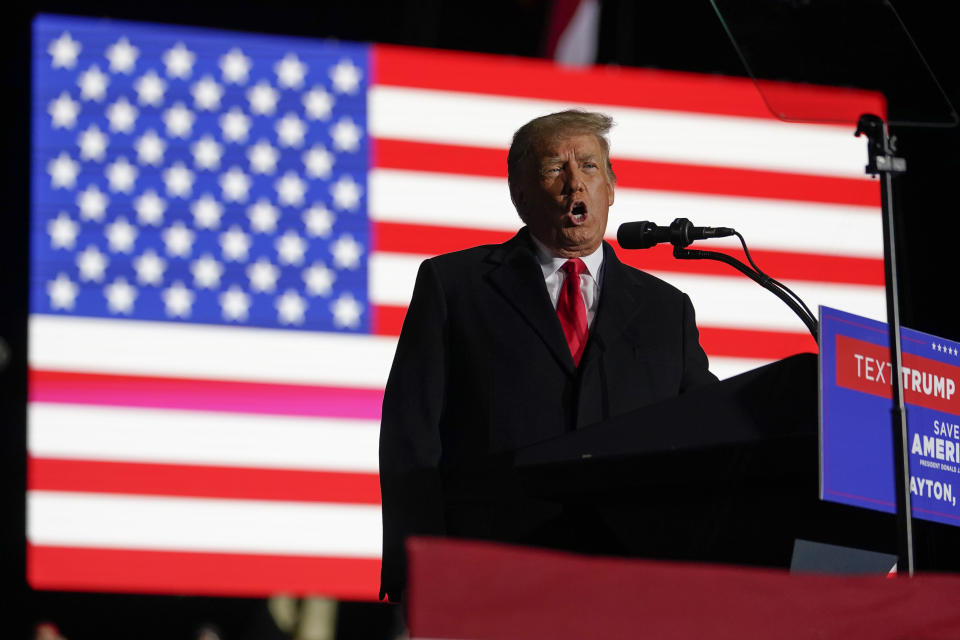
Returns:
<point x="681" y="232"/>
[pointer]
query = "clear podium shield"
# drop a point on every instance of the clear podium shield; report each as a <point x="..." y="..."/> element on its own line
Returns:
<point x="859" y="46"/>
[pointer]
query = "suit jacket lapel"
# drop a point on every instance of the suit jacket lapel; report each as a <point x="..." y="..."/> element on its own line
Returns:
<point x="620" y="302"/>
<point x="517" y="277"/>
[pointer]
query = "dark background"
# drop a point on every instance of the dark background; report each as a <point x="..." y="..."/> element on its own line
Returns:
<point x="681" y="34"/>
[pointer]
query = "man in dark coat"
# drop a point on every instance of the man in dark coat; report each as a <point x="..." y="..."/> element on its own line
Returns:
<point x="506" y="345"/>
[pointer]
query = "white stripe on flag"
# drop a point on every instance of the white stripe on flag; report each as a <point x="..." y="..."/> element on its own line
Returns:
<point x="719" y="300"/>
<point x="725" y="368"/>
<point x="470" y="119"/>
<point x="419" y="197"/>
<point x="171" y="436"/>
<point x="202" y="524"/>
<point x="135" y="347"/>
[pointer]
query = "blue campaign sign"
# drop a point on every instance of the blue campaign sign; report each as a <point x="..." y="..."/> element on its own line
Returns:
<point x="856" y="433"/>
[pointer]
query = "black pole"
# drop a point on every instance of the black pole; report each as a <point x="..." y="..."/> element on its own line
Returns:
<point x="882" y="162"/>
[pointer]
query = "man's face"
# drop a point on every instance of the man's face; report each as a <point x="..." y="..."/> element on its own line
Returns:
<point x="564" y="194"/>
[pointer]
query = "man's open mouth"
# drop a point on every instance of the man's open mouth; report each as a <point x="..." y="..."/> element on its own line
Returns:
<point x="578" y="212"/>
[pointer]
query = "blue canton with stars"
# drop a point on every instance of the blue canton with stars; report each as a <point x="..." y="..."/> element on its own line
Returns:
<point x="191" y="175"/>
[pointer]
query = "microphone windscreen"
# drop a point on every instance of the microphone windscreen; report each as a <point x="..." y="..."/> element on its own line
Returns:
<point x="636" y="235"/>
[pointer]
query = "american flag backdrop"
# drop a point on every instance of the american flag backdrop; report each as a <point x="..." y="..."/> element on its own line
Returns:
<point x="225" y="234"/>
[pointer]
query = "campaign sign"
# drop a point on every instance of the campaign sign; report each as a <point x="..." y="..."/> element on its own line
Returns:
<point x="856" y="432"/>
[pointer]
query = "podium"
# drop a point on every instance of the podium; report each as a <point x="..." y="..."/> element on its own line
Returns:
<point x="726" y="473"/>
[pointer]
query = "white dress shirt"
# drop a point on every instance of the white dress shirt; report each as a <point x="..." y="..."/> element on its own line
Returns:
<point x="553" y="275"/>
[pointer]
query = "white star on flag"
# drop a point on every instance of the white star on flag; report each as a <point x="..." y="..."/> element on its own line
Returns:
<point x="346" y="311"/>
<point x="150" y="268"/>
<point x="346" y="252"/>
<point x="346" y="193"/>
<point x="290" y="248"/>
<point x="178" y="240"/>
<point x="63" y="292"/>
<point x="64" y="111"/>
<point x="206" y="94"/>
<point x="121" y="175"/>
<point x="290" y="189"/>
<point x="235" y="244"/>
<point x="346" y="77"/>
<point x="263" y="276"/>
<point x="263" y="157"/>
<point x="319" y="279"/>
<point x="291" y="308"/>
<point x="235" y="304"/>
<point x="290" y="72"/>
<point x="92" y="264"/>
<point x="178" y="180"/>
<point x="63" y="231"/>
<point x="122" y="115"/>
<point x="63" y="171"/>
<point x="179" y="121"/>
<point x="64" y="51"/>
<point x="206" y="212"/>
<point x="207" y="153"/>
<point x="150" y="89"/>
<point x="150" y="207"/>
<point x="318" y="220"/>
<point x="122" y="56"/>
<point x="235" y="66"/>
<point x="121" y="235"/>
<point x="318" y="104"/>
<point x="206" y="272"/>
<point x="150" y="148"/>
<point x="263" y="98"/>
<point x="291" y="131"/>
<point x="178" y="300"/>
<point x="318" y="162"/>
<point x="235" y="185"/>
<point x="235" y="125"/>
<point x="179" y="61"/>
<point x="92" y="203"/>
<point x="93" y="143"/>
<point x="345" y="135"/>
<point x="93" y="84"/>
<point x="263" y="216"/>
<point x="120" y="296"/>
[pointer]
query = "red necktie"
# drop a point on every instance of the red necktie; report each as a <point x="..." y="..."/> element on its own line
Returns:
<point x="571" y="310"/>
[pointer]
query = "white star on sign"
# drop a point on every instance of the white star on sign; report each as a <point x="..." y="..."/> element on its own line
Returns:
<point x="235" y="244"/>
<point x="234" y="303"/>
<point x="318" y="103"/>
<point x="346" y="311"/>
<point x="63" y="231"/>
<point x="179" y="121"/>
<point x="178" y="300"/>
<point x="121" y="175"/>
<point x="346" y="135"/>
<point x="122" y="56"/>
<point x="345" y="76"/>
<point x="150" y="89"/>
<point x="92" y="203"/>
<point x="63" y="292"/>
<point x="179" y="180"/>
<point x="290" y="189"/>
<point x="206" y="212"/>
<point x="63" y="171"/>
<point x="318" y="220"/>
<point x="206" y="272"/>
<point x="319" y="279"/>
<point x="63" y="111"/>
<point x="150" y="148"/>
<point x="150" y="268"/>
<point x="235" y="185"/>
<point x="121" y="235"/>
<point x="179" y="61"/>
<point x="206" y="94"/>
<point x="291" y="130"/>
<point x="122" y="115"/>
<point x="235" y="66"/>
<point x="291" y="308"/>
<point x="64" y="51"/>
<point x="120" y="296"/>
<point x="346" y="252"/>
<point x="207" y="153"/>
<point x="346" y="193"/>
<point x="92" y="143"/>
<point x="290" y="248"/>
<point x="263" y="157"/>
<point x="263" y="98"/>
<point x="318" y="161"/>
<point x="178" y="239"/>
<point x="263" y="216"/>
<point x="150" y="207"/>
<point x="235" y="125"/>
<point x="263" y="276"/>
<point x="92" y="264"/>
<point x="93" y="84"/>
<point x="290" y="71"/>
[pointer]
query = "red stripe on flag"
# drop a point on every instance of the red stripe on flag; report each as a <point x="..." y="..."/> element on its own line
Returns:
<point x="751" y="343"/>
<point x="177" y="572"/>
<point x="391" y="237"/>
<point x="134" y="478"/>
<point x="638" y="88"/>
<point x="661" y="176"/>
<point x="204" y="395"/>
